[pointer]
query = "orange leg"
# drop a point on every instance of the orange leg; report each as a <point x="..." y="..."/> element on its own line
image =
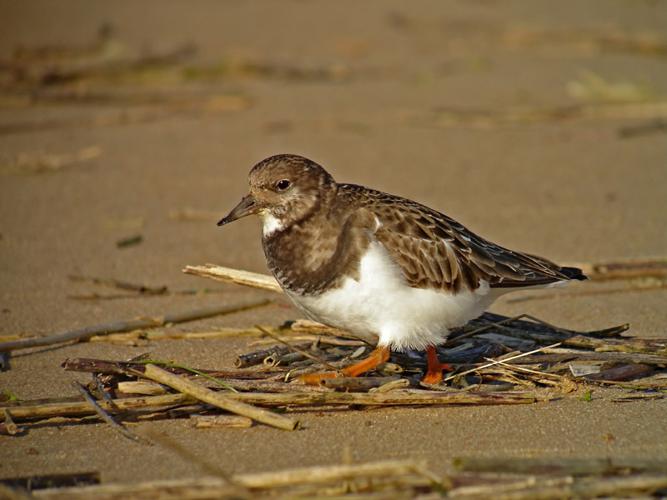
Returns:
<point x="377" y="357"/>
<point x="435" y="367"/>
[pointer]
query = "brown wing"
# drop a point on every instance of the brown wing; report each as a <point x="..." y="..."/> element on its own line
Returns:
<point x="435" y="251"/>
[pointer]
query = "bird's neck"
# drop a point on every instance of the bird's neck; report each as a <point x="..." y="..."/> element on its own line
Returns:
<point x="313" y="254"/>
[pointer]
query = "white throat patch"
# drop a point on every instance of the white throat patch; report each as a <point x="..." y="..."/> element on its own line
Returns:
<point x="270" y="223"/>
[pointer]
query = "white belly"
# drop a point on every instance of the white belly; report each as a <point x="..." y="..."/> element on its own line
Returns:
<point x="382" y="303"/>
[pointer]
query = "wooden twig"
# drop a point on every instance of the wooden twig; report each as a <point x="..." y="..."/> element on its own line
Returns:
<point x="35" y="482"/>
<point x="128" y="325"/>
<point x="447" y="117"/>
<point x="8" y="426"/>
<point x="298" y="349"/>
<point x="623" y="372"/>
<point x="141" y="387"/>
<point x="569" y="466"/>
<point x="284" y="359"/>
<point x="400" y="383"/>
<point x="483" y="328"/>
<point x="650" y="285"/>
<point x="218" y="399"/>
<point x="394" y="398"/>
<point x="90" y="365"/>
<point x="236" y="276"/>
<point x="523" y="354"/>
<point x="357" y="384"/>
<point x="4" y="361"/>
<point x="258" y="357"/>
<point x="646" y="128"/>
<point x="220" y="421"/>
<point x="122" y="285"/>
<point x="213" y="487"/>
<point x="560" y="354"/>
<point x="531" y="487"/>
<point x="153" y="335"/>
<point x="106" y="417"/>
<point x="69" y="408"/>
<point x="624" y="269"/>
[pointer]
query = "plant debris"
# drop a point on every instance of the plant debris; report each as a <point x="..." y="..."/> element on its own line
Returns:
<point x="497" y="360"/>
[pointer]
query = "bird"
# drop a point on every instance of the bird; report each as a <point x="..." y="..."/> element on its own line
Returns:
<point x="369" y="262"/>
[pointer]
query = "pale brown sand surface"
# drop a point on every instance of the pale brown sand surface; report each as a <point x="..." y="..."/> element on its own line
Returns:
<point x="573" y="191"/>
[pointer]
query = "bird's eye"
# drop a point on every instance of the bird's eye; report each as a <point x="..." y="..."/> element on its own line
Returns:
<point x="283" y="184"/>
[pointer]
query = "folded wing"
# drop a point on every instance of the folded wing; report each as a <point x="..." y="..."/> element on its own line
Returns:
<point x="434" y="251"/>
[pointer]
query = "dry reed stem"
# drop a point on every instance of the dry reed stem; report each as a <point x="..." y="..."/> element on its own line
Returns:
<point x="210" y="487"/>
<point x="397" y="397"/>
<point x="218" y="399"/>
<point x="128" y="325"/>
<point x="559" y="465"/>
<point x="236" y="276"/>
<point x="220" y="421"/>
<point x="105" y="416"/>
<point x="518" y="115"/>
<point x="294" y="348"/>
<point x="497" y="362"/>
<point x="567" y="487"/>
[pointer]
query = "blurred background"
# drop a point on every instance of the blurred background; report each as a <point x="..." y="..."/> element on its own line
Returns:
<point x="128" y="128"/>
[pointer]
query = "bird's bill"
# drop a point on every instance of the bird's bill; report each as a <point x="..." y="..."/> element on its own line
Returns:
<point x="247" y="206"/>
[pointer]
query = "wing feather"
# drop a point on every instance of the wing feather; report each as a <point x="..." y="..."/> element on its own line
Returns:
<point x="437" y="252"/>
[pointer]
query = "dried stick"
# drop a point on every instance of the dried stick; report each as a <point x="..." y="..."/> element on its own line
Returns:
<point x="219" y="488"/>
<point x="569" y="466"/>
<point x="297" y="349"/>
<point x="128" y="325"/>
<point x="122" y="285"/>
<point x="237" y="276"/>
<point x="357" y="384"/>
<point x="8" y="426"/>
<point x="532" y="487"/>
<point x="105" y="416"/>
<point x="218" y="421"/>
<point x="393" y="398"/>
<point x="624" y="269"/>
<point x="28" y="410"/>
<point x="218" y="399"/>
<point x="151" y="388"/>
<point x="591" y="487"/>
<point x="91" y="365"/>
<point x="219" y="333"/>
<point x="649" y="285"/>
<point x="258" y="357"/>
<point x="555" y="355"/>
<point x="497" y="362"/>
<point x="447" y="117"/>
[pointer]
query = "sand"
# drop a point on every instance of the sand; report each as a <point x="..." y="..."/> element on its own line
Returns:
<point x="375" y="75"/>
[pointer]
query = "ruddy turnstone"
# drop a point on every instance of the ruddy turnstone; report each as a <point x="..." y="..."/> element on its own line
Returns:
<point x="370" y="262"/>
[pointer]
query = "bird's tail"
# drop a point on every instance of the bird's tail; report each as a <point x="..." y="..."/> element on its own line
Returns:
<point x="573" y="273"/>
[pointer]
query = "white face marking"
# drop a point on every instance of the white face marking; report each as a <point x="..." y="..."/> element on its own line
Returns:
<point x="270" y="223"/>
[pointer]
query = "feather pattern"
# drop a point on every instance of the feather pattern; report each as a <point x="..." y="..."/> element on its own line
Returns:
<point x="371" y="262"/>
<point x="434" y="251"/>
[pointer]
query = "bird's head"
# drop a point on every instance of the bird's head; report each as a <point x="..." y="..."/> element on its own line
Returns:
<point x="284" y="189"/>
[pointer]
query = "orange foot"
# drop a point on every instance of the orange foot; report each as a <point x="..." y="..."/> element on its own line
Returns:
<point x="435" y="367"/>
<point x="377" y="357"/>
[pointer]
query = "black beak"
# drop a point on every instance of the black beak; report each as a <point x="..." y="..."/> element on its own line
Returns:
<point x="246" y="206"/>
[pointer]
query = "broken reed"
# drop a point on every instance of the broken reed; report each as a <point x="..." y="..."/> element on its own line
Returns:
<point x="405" y="397"/>
<point x="395" y="479"/>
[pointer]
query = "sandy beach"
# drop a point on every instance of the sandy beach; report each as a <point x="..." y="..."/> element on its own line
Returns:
<point x="121" y="170"/>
